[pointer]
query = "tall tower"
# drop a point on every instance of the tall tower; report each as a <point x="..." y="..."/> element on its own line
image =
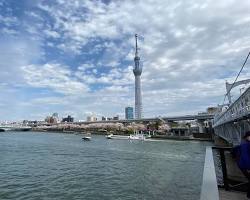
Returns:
<point x="137" y="72"/>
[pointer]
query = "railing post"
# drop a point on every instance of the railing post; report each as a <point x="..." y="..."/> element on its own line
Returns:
<point x="224" y="169"/>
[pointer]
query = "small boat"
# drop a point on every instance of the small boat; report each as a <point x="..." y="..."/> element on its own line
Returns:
<point x="147" y="136"/>
<point x="86" y="138"/>
<point x="136" y="137"/>
<point x="14" y="128"/>
<point x="110" y="136"/>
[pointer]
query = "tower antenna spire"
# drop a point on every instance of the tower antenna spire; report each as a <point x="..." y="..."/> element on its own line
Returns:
<point x="136" y="46"/>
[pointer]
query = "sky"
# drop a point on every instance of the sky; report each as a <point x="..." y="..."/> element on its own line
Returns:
<point x="75" y="57"/>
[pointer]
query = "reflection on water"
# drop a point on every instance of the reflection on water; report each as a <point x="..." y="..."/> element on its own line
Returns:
<point x="62" y="166"/>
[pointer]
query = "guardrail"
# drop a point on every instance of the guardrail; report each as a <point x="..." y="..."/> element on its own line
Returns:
<point x="209" y="189"/>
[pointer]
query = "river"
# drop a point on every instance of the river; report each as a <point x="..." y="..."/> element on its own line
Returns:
<point x="62" y="166"/>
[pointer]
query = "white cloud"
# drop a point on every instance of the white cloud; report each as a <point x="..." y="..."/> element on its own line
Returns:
<point x="52" y="34"/>
<point x="8" y="20"/>
<point x="14" y="53"/>
<point x="190" y="48"/>
<point x="53" y="76"/>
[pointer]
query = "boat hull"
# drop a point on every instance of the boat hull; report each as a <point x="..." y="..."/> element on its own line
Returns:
<point x="86" y="138"/>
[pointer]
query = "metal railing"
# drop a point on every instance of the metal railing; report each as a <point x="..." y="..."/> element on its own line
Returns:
<point x="228" y="183"/>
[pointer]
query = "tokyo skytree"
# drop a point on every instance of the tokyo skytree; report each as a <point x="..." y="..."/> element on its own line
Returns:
<point x="137" y="72"/>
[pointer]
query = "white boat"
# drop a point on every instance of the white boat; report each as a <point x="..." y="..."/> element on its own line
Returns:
<point x="86" y="138"/>
<point x="110" y="136"/>
<point x="136" y="137"/>
<point x="147" y="136"/>
<point x="15" y="128"/>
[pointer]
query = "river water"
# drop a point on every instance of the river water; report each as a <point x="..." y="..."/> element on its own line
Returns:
<point x="62" y="166"/>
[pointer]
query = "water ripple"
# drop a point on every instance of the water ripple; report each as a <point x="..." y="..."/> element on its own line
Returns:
<point x="59" y="166"/>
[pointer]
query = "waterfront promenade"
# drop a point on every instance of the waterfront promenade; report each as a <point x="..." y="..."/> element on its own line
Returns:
<point x="232" y="195"/>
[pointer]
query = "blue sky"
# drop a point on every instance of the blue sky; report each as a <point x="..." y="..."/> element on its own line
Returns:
<point x="76" y="56"/>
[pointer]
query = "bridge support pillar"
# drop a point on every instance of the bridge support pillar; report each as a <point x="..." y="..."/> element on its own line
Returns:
<point x="200" y="124"/>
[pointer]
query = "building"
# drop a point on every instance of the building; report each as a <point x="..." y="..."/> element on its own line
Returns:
<point x="104" y="118"/>
<point x="52" y="119"/>
<point x="213" y="110"/>
<point x="68" y="119"/>
<point x="56" y="117"/>
<point x="137" y="73"/>
<point x="91" y="119"/>
<point x="116" y="117"/>
<point x="129" y="113"/>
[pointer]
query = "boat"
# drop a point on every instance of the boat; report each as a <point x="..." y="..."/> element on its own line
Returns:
<point x="110" y="136"/>
<point x="136" y="137"/>
<point x="86" y="138"/>
<point x="14" y="128"/>
<point x="147" y="136"/>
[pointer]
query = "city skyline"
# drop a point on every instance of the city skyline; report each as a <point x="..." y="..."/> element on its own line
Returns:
<point x="76" y="57"/>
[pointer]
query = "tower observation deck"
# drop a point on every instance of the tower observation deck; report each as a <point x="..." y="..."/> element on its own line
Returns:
<point x="137" y="72"/>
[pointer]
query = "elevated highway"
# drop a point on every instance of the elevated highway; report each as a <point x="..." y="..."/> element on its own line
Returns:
<point x="166" y="119"/>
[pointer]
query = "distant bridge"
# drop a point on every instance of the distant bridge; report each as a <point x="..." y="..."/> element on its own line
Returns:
<point x="201" y="117"/>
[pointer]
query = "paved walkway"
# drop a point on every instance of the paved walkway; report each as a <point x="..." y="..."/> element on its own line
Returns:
<point x="232" y="195"/>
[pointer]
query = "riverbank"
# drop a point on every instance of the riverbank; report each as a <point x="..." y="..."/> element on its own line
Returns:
<point x="122" y="134"/>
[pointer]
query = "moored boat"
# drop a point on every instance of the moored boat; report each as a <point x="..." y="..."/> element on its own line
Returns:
<point x="136" y="137"/>
<point x="86" y="138"/>
<point x="110" y="136"/>
<point x="14" y="128"/>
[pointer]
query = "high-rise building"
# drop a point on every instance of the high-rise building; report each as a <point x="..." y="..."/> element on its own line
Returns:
<point x="129" y="113"/>
<point x="137" y="72"/>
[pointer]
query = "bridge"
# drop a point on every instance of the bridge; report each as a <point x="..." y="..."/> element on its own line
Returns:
<point x="232" y="123"/>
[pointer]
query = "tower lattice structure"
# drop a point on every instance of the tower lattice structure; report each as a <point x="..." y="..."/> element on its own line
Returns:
<point x="137" y="72"/>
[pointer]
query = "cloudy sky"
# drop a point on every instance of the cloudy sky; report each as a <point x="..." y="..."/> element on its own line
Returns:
<point x="76" y="56"/>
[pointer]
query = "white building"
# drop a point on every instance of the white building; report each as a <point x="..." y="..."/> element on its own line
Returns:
<point x="91" y="118"/>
